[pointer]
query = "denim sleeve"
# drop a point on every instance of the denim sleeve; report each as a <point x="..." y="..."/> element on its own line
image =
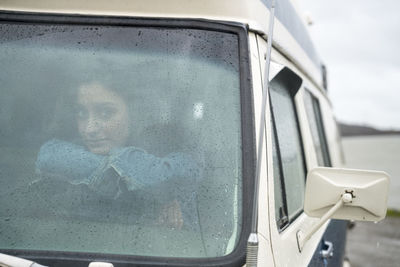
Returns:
<point x="67" y="161"/>
<point x="139" y="169"/>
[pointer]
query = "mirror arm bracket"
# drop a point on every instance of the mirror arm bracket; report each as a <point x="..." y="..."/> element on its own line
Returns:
<point x="303" y="237"/>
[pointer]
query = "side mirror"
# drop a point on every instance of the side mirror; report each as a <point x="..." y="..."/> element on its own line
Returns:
<point x="369" y="190"/>
<point x="344" y="194"/>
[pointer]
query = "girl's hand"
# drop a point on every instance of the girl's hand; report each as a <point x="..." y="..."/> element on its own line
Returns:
<point x="171" y="215"/>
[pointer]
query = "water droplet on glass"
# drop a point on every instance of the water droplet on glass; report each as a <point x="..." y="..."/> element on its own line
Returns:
<point x="198" y="109"/>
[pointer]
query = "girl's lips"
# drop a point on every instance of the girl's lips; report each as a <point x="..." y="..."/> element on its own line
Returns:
<point x="96" y="142"/>
<point x="98" y="146"/>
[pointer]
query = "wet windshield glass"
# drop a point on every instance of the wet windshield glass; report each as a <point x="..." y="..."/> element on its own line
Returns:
<point x="120" y="140"/>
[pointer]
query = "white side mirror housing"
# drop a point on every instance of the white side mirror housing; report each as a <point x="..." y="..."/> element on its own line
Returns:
<point x="369" y="190"/>
<point x="343" y="194"/>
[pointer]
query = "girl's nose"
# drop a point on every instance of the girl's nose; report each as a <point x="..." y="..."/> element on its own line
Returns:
<point x="92" y="126"/>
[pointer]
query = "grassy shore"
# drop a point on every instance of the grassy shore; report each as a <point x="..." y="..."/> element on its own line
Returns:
<point x="393" y="213"/>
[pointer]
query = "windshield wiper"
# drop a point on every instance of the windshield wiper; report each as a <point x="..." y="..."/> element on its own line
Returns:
<point x="12" y="261"/>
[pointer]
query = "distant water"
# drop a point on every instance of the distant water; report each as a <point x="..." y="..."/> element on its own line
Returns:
<point x="380" y="152"/>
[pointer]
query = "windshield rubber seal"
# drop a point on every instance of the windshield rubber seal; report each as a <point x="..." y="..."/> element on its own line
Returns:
<point x="237" y="257"/>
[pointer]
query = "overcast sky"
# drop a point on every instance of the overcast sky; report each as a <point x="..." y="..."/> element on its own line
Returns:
<point x="359" y="41"/>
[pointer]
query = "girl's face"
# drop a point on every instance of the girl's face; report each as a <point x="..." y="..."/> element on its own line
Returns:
<point x="103" y="121"/>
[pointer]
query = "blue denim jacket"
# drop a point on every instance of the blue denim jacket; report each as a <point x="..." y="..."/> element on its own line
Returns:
<point x="134" y="169"/>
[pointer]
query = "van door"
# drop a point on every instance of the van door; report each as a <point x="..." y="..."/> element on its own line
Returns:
<point x="287" y="168"/>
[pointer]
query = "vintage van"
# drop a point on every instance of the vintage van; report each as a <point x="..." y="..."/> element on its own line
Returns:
<point x="170" y="133"/>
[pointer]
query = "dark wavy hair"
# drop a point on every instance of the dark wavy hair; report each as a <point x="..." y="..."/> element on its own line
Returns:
<point x="137" y="83"/>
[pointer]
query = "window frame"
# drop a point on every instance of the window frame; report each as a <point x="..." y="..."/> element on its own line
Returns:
<point x="237" y="257"/>
<point x="293" y="92"/>
<point x="318" y="117"/>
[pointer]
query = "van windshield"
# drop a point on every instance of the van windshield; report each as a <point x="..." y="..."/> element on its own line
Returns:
<point x="120" y="140"/>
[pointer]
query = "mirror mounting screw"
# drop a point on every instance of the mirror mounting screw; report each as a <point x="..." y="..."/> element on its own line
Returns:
<point x="347" y="197"/>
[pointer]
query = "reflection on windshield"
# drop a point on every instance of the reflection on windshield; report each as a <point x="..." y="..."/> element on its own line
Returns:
<point x="126" y="147"/>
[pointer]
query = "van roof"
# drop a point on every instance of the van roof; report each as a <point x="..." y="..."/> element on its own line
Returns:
<point x="290" y="34"/>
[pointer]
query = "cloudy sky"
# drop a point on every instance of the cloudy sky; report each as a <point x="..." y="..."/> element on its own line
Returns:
<point x="359" y="41"/>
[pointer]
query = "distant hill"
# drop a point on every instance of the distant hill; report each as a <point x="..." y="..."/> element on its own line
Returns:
<point x="358" y="130"/>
